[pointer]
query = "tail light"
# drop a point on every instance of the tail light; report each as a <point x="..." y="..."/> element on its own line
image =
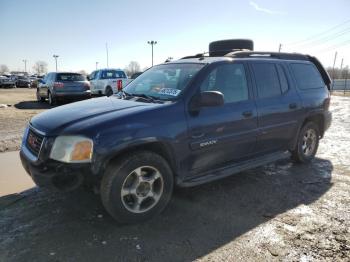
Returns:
<point x="58" y="84"/>
<point x="119" y="85"/>
<point x="87" y="86"/>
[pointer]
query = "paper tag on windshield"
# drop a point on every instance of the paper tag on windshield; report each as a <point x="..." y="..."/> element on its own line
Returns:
<point x="169" y="91"/>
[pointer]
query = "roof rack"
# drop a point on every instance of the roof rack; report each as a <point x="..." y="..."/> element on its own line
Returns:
<point x="286" y="56"/>
<point x="275" y="55"/>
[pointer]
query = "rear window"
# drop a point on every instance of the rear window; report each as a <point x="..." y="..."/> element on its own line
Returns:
<point x="70" y="77"/>
<point x="110" y="74"/>
<point x="266" y="80"/>
<point x="307" y="76"/>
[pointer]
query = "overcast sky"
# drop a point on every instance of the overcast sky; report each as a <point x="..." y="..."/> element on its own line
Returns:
<point x="77" y="30"/>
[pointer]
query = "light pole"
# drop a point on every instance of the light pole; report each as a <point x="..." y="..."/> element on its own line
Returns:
<point x="152" y="43"/>
<point x="96" y="65"/>
<point x="25" y="65"/>
<point x="56" y="56"/>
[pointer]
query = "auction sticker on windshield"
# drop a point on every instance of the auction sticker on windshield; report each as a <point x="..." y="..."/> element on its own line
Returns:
<point x="169" y="91"/>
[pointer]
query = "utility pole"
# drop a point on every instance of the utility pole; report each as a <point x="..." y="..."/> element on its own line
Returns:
<point x="96" y="65"/>
<point x="152" y="43"/>
<point x="56" y="56"/>
<point x="335" y="59"/>
<point x="346" y="77"/>
<point x="25" y="65"/>
<point x="107" y="54"/>
<point x="280" y="48"/>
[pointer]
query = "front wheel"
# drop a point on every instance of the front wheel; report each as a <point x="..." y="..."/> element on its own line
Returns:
<point x="307" y="143"/>
<point x="137" y="187"/>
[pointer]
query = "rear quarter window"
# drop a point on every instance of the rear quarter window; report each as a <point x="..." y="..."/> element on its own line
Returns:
<point x="307" y="76"/>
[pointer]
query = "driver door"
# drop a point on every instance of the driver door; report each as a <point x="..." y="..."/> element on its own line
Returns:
<point x="223" y="135"/>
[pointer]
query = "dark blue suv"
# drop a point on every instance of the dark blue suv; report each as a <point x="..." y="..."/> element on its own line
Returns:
<point x="181" y="123"/>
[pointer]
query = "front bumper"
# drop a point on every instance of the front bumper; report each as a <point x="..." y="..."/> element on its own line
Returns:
<point x="54" y="174"/>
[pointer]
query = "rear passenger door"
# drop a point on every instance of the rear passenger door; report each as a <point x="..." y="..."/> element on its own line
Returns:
<point x="278" y="104"/>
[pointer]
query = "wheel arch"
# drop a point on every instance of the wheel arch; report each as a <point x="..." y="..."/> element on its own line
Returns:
<point x="158" y="147"/>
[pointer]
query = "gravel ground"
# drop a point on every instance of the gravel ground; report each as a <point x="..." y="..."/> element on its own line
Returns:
<point x="279" y="212"/>
<point x="22" y="106"/>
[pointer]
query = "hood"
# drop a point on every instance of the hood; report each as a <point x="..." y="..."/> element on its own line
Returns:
<point x="54" y="120"/>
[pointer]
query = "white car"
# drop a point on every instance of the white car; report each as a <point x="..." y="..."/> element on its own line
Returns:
<point x="107" y="81"/>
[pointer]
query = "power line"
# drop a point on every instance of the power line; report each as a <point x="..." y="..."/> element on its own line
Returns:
<point x="325" y="39"/>
<point x="330" y="48"/>
<point x="319" y="34"/>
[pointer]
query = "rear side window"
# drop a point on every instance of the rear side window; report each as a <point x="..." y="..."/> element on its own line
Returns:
<point x="307" y="76"/>
<point x="70" y="77"/>
<point x="267" y="80"/>
<point x="283" y="79"/>
<point x="110" y="74"/>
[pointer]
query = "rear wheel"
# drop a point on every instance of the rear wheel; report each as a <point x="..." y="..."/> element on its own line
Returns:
<point x="137" y="187"/>
<point x="52" y="99"/>
<point x="307" y="143"/>
<point x="109" y="91"/>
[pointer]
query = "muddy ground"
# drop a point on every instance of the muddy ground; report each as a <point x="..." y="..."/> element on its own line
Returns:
<point x="279" y="212"/>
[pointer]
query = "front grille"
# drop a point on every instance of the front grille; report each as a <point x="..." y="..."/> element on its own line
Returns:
<point x="34" y="142"/>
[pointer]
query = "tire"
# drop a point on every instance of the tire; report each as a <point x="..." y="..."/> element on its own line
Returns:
<point x="307" y="144"/>
<point x="120" y="178"/>
<point x="38" y="97"/>
<point x="109" y="91"/>
<point x="222" y="47"/>
<point x="52" y="99"/>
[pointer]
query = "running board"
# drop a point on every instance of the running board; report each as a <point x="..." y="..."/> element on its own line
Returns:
<point x="234" y="169"/>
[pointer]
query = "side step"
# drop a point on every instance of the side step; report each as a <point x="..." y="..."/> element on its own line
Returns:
<point x="233" y="169"/>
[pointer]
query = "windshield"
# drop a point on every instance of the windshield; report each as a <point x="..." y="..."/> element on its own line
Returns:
<point x="164" y="82"/>
<point x="70" y="77"/>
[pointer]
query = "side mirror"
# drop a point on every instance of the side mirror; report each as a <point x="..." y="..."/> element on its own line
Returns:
<point x="88" y="78"/>
<point x="41" y="81"/>
<point x="207" y="99"/>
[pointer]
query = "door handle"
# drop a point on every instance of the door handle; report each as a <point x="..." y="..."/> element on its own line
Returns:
<point x="247" y="114"/>
<point x="293" y="105"/>
<point x="197" y="135"/>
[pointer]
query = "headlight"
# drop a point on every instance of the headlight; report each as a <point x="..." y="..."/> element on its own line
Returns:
<point x="72" y="149"/>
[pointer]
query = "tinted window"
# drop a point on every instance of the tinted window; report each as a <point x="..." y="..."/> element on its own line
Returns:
<point x="228" y="79"/>
<point x="70" y="77"/>
<point x="283" y="79"/>
<point x="307" y="76"/>
<point x="110" y="74"/>
<point x="266" y="79"/>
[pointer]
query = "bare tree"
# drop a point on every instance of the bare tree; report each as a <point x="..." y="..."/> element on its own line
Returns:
<point x="132" y="68"/>
<point x="83" y="72"/>
<point x="4" y="68"/>
<point x="40" y="67"/>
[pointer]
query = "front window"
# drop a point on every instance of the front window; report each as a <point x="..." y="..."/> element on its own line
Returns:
<point x="164" y="82"/>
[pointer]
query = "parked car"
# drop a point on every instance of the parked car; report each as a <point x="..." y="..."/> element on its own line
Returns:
<point x="184" y="123"/>
<point x="107" y="81"/>
<point x="57" y="87"/>
<point x="23" y="81"/>
<point x="7" y="82"/>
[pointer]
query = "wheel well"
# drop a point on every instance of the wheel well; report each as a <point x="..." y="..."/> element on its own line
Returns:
<point x="155" y="147"/>
<point x="318" y="120"/>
